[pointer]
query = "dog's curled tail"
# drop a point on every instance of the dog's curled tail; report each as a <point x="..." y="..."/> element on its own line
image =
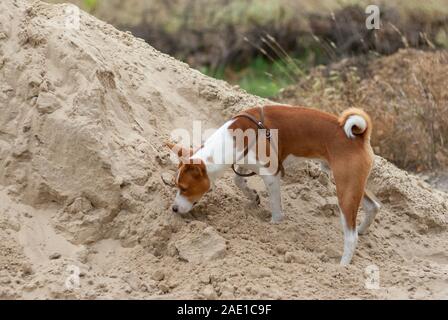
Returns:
<point x="356" y="122"/>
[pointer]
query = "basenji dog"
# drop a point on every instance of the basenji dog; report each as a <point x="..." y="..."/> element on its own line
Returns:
<point x="341" y="144"/>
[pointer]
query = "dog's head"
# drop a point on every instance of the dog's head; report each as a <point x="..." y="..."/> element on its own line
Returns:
<point x="191" y="180"/>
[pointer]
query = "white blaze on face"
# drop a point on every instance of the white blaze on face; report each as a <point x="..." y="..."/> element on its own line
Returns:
<point x="182" y="203"/>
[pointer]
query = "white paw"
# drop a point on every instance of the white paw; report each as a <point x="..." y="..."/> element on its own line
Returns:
<point x="277" y="218"/>
<point x="344" y="262"/>
<point x="256" y="200"/>
<point x="361" y="231"/>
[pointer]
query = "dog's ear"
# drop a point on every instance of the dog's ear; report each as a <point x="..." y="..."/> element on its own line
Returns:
<point x="182" y="153"/>
<point x="197" y="170"/>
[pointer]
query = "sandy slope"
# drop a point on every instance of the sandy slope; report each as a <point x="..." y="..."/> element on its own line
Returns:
<point x="83" y="115"/>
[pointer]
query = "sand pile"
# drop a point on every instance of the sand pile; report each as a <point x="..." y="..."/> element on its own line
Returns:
<point x="83" y="115"/>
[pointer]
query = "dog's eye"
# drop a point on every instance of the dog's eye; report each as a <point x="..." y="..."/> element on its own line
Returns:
<point x="182" y="190"/>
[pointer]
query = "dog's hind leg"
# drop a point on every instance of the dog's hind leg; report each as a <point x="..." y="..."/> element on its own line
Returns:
<point x="350" y="185"/>
<point x="350" y="240"/>
<point x="371" y="207"/>
<point x="251" y="194"/>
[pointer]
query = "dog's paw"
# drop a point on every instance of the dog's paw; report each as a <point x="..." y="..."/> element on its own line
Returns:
<point x="277" y="218"/>
<point x="361" y="231"/>
<point x="257" y="199"/>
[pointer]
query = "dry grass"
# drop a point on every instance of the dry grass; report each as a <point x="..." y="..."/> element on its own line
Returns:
<point x="212" y="33"/>
<point x="405" y="94"/>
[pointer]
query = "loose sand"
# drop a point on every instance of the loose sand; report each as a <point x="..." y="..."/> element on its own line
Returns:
<point x="83" y="115"/>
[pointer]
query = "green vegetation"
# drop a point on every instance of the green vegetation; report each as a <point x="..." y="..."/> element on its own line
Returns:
<point x="90" y="5"/>
<point x="261" y="77"/>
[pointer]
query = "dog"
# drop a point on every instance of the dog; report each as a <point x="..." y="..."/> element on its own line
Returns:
<point x="341" y="144"/>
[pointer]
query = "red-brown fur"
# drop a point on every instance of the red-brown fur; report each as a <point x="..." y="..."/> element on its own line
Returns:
<point x="310" y="133"/>
<point x="192" y="180"/>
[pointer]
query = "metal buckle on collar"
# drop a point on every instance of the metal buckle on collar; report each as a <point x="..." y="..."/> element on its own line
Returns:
<point x="268" y="134"/>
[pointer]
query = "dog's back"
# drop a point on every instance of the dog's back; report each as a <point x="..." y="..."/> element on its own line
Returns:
<point x="310" y="133"/>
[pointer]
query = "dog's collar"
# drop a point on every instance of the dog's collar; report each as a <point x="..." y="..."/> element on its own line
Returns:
<point x="260" y="124"/>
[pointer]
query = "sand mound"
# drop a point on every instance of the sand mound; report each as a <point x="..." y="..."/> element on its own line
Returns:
<point x="83" y="114"/>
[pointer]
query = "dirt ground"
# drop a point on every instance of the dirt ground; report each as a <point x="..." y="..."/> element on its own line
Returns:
<point x="83" y="117"/>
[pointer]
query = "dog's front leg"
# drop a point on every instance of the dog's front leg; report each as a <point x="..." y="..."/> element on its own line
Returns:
<point x="272" y="183"/>
<point x="248" y="192"/>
